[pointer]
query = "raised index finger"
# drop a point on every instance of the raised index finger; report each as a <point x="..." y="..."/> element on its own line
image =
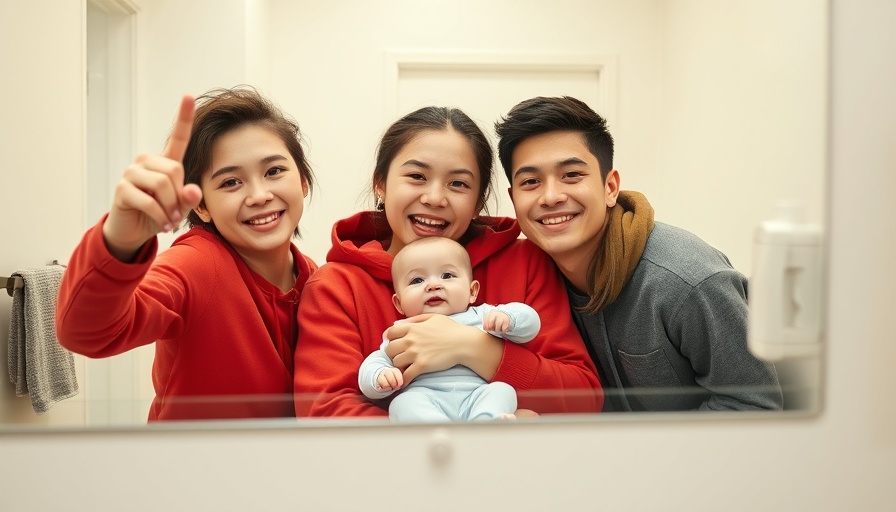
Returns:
<point x="180" y="134"/>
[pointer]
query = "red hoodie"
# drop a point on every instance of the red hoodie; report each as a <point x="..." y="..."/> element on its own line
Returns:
<point x="347" y="304"/>
<point x="224" y="335"/>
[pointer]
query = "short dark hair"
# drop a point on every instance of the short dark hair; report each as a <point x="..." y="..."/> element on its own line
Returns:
<point x="400" y="133"/>
<point x="542" y="115"/>
<point x="220" y="111"/>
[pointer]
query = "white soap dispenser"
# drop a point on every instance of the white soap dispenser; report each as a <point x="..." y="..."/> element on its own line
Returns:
<point x="785" y="290"/>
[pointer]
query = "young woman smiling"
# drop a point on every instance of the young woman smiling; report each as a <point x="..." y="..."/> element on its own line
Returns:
<point x="432" y="178"/>
<point x="219" y="304"/>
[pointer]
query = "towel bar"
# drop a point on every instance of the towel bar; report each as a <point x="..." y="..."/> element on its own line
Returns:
<point x="12" y="283"/>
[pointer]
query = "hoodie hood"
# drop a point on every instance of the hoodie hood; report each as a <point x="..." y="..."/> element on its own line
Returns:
<point x="361" y="239"/>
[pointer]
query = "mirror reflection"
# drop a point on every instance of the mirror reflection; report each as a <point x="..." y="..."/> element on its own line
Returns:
<point x="718" y="113"/>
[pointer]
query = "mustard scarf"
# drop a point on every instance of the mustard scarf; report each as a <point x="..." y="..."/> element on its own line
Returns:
<point x="625" y="236"/>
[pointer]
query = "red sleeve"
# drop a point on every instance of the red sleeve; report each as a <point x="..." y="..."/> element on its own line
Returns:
<point x="332" y="345"/>
<point x="556" y="360"/>
<point x="106" y="307"/>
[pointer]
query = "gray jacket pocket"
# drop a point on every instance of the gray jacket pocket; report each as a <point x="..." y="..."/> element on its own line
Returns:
<point x="650" y="370"/>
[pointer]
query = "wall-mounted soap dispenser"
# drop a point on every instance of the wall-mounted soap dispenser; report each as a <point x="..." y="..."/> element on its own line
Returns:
<point x="785" y="290"/>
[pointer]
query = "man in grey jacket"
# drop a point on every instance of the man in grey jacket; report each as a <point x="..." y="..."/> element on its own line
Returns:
<point x="664" y="315"/>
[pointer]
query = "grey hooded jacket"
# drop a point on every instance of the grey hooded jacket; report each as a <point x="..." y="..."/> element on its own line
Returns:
<point x="676" y="337"/>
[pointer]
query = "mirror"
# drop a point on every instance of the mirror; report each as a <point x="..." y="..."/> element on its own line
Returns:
<point x="718" y="109"/>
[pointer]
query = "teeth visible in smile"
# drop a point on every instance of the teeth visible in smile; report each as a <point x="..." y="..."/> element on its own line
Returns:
<point x="430" y="222"/>
<point x="556" y="220"/>
<point x="264" y="220"/>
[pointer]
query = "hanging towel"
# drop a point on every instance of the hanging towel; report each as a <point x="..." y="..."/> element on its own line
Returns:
<point x="37" y="364"/>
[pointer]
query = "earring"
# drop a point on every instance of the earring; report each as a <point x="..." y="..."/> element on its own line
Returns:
<point x="380" y="206"/>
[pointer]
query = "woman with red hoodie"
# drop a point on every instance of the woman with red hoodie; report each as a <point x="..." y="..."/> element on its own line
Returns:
<point x="432" y="178"/>
<point x="220" y="303"/>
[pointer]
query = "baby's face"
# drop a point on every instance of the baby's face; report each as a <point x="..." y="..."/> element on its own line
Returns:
<point x="432" y="279"/>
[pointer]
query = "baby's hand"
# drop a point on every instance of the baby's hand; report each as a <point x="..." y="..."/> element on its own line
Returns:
<point x="496" y="321"/>
<point x="389" y="379"/>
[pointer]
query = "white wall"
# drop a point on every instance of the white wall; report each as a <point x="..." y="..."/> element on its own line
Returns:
<point x="742" y="117"/>
<point x="841" y="460"/>
<point x="42" y="152"/>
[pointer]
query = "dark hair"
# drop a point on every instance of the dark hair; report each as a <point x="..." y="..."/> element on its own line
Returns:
<point x="220" y="111"/>
<point x="400" y="133"/>
<point x="542" y="115"/>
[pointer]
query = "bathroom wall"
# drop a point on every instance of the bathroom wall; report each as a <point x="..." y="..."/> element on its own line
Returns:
<point x="42" y="149"/>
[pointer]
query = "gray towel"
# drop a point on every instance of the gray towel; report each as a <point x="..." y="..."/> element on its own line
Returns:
<point x="37" y="364"/>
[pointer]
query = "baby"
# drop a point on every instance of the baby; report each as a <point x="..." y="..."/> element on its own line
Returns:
<point x="434" y="275"/>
